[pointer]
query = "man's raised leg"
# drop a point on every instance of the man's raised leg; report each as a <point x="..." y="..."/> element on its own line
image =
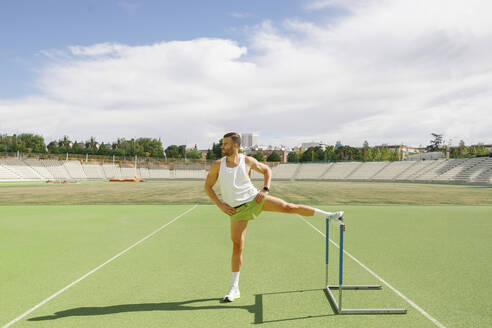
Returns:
<point x="274" y="204"/>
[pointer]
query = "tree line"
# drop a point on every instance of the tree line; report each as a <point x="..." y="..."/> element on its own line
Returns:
<point x="318" y="154"/>
<point x="463" y="151"/>
<point x="437" y="144"/>
<point x="142" y="147"/>
<point x="151" y="147"/>
<point x="344" y="153"/>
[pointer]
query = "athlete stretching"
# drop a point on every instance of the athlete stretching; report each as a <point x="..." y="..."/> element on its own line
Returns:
<point x="243" y="202"/>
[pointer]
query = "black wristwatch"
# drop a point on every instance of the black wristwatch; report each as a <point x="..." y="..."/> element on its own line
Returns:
<point x="266" y="189"/>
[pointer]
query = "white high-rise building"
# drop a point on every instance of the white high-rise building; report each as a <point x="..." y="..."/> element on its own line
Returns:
<point x="248" y="140"/>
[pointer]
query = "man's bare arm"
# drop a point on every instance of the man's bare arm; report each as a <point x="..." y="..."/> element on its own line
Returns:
<point x="267" y="175"/>
<point x="261" y="168"/>
<point x="212" y="177"/>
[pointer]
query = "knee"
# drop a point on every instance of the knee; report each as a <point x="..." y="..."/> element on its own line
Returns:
<point x="237" y="246"/>
<point x="289" y="207"/>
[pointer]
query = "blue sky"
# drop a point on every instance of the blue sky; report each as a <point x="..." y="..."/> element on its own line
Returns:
<point x="29" y="27"/>
<point x="291" y="71"/>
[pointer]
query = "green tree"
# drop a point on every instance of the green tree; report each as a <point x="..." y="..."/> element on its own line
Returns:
<point x="274" y="157"/>
<point x="172" y="151"/>
<point x="365" y="151"/>
<point x="330" y="153"/>
<point x="259" y="156"/>
<point x="53" y="147"/>
<point x="211" y="155"/>
<point x="193" y="153"/>
<point x="104" y="150"/>
<point x="31" y="143"/>
<point x="313" y="154"/>
<point x="91" y="146"/>
<point x="64" y="145"/>
<point x="436" y="143"/>
<point x="182" y="151"/>
<point x="216" y="148"/>
<point x="77" y="148"/>
<point x="293" y="157"/>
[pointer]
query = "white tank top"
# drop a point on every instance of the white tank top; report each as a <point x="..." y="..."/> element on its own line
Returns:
<point x="235" y="185"/>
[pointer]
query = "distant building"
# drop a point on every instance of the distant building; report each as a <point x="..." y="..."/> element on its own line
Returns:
<point x="306" y="145"/>
<point x="204" y="153"/>
<point x="249" y="140"/>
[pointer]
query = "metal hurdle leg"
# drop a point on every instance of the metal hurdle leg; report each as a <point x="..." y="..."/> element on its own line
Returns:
<point x="338" y="306"/>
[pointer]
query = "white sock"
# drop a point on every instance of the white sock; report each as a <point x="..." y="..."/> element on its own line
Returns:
<point x="235" y="279"/>
<point x="321" y="212"/>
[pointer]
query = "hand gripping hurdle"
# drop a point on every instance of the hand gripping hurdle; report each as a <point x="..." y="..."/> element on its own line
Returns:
<point x="340" y="287"/>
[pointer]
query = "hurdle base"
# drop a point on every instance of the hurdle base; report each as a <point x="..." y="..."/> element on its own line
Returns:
<point x="373" y="311"/>
<point x="339" y="310"/>
<point x="355" y="287"/>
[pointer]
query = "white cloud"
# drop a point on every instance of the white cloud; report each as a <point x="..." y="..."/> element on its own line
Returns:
<point x="239" y="15"/>
<point x="346" y="4"/>
<point x="390" y="72"/>
<point x="129" y="5"/>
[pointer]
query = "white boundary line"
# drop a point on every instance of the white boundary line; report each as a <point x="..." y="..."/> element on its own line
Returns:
<point x="415" y="306"/>
<point x="95" y="269"/>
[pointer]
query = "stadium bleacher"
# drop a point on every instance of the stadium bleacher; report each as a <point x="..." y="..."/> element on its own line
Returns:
<point x="160" y="174"/>
<point x="414" y="170"/>
<point x="75" y="170"/>
<point x="56" y="169"/>
<point x="17" y="166"/>
<point x="282" y="172"/>
<point x="190" y="174"/>
<point x="367" y="170"/>
<point x="93" y="171"/>
<point x="38" y="166"/>
<point x="449" y="170"/>
<point x="340" y="170"/>
<point x="482" y="172"/>
<point x="112" y="171"/>
<point x="430" y="172"/>
<point x="130" y="172"/>
<point x="312" y="171"/>
<point x="394" y="169"/>
<point x="460" y="171"/>
<point x="7" y="175"/>
<point x="144" y="173"/>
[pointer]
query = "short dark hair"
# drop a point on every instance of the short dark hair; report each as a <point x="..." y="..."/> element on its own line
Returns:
<point x="235" y="137"/>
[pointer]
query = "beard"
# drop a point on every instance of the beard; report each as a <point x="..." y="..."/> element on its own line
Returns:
<point x="227" y="152"/>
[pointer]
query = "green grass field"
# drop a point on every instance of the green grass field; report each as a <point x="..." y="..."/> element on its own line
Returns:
<point x="437" y="256"/>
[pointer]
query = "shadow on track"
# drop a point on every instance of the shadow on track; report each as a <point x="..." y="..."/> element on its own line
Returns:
<point x="256" y="308"/>
<point x="169" y="306"/>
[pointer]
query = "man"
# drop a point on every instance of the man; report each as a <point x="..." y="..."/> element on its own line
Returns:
<point x="243" y="202"/>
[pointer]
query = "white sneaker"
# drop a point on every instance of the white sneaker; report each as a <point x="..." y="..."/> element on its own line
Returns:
<point x="232" y="294"/>
<point x="336" y="215"/>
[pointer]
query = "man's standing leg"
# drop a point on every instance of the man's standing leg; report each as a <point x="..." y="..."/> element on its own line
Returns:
<point x="238" y="233"/>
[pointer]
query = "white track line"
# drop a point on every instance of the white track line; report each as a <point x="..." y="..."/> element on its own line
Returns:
<point x="409" y="301"/>
<point x="94" y="270"/>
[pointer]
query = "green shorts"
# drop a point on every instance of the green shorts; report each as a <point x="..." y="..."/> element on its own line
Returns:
<point x="249" y="210"/>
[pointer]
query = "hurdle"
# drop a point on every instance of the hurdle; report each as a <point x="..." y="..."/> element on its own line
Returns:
<point x="337" y="306"/>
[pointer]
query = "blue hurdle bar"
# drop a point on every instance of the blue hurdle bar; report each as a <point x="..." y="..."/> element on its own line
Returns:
<point x="340" y="266"/>
<point x="338" y="306"/>
<point x="327" y="249"/>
